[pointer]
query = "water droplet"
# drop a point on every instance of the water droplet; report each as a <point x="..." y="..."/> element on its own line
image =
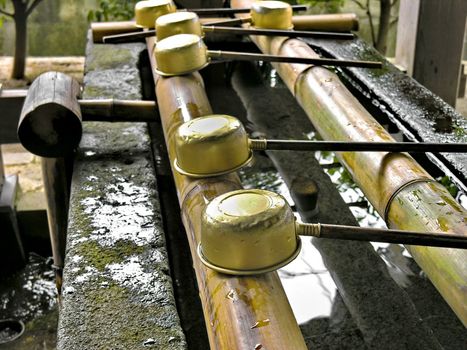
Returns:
<point x="149" y="342"/>
<point x="261" y="323"/>
<point x="231" y="295"/>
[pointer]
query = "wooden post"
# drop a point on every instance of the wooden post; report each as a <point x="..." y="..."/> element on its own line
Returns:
<point x="57" y="196"/>
<point x="50" y="121"/>
<point x="2" y="171"/>
<point x="430" y="41"/>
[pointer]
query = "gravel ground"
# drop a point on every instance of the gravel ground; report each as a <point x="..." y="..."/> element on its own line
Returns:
<point x="72" y="65"/>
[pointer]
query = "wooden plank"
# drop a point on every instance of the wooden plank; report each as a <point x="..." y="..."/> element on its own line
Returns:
<point x="11" y="102"/>
<point x="430" y="43"/>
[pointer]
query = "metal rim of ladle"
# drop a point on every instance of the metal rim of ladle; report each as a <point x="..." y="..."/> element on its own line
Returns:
<point x="251" y="272"/>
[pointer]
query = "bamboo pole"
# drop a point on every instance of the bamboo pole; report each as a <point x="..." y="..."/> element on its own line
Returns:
<point x="240" y="312"/>
<point x="399" y="188"/>
<point x="342" y="22"/>
<point x="136" y="36"/>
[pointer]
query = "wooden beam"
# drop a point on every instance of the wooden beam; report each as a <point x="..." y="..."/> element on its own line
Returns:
<point x="430" y="42"/>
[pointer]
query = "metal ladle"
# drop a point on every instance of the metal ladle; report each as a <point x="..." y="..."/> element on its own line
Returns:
<point x="186" y="53"/>
<point x="274" y="19"/>
<point x="247" y="232"/>
<point x="218" y="144"/>
<point x="146" y="12"/>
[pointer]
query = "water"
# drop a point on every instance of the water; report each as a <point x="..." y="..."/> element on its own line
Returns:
<point x="306" y="281"/>
<point x="30" y="296"/>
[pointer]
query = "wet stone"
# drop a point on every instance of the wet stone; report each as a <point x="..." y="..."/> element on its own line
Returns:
<point x="117" y="291"/>
<point x="403" y="100"/>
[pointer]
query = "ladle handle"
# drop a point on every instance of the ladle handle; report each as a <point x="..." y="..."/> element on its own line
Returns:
<point x="229" y="22"/>
<point x="434" y="239"/>
<point x="345" y="146"/>
<point x="244" y="56"/>
<point x="128" y="37"/>
<point x="277" y="32"/>
<point x="231" y="11"/>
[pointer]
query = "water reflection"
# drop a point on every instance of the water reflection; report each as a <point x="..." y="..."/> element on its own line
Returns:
<point x="306" y="281"/>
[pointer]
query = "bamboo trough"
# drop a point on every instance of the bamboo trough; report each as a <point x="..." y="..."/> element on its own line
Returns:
<point x="240" y="312"/>
<point x="402" y="192"/>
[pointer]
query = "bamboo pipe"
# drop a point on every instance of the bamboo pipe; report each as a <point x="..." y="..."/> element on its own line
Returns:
<point x="384" y="313"/>
<point x="400" y="189"/>
<point x="342" y="22"/>
<point x="130" y="37"/>
<point x="233" y="307"/>
<point x="189" y="23"/>
<point x="274" y="18"/>
<point x="112" y="110"/>
<point x="232" y="11"/>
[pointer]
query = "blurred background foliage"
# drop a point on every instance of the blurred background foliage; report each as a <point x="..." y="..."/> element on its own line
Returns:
<point x="58" y="27"/>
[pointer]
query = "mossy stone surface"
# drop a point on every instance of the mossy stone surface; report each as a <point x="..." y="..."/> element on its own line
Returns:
<point x="117" y="291"/>
<point x="111" y="71"/>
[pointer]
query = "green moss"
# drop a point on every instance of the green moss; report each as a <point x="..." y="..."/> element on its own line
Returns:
<point x="108" y="57"/>
<point x="99" y="256"/>
<point x="91" y="91"/>
<point x="114" y="304"/>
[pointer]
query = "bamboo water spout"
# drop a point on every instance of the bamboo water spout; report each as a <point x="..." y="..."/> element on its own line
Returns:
<point x="231" y="305"/>
<point x="400" y="189"/>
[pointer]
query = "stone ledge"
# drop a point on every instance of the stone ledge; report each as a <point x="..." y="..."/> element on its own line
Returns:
<point x="117" y="291"/>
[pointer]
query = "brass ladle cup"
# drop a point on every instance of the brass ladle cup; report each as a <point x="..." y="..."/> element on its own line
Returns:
<point x="267" y="12"/>
<point x="247" y="232"/>
<point x="146" y="12"/>
<point x="189" y="23"/>
<point x="218" y="144"/>
<point x="274" y="18"/>
<point x="186" y="53"/>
